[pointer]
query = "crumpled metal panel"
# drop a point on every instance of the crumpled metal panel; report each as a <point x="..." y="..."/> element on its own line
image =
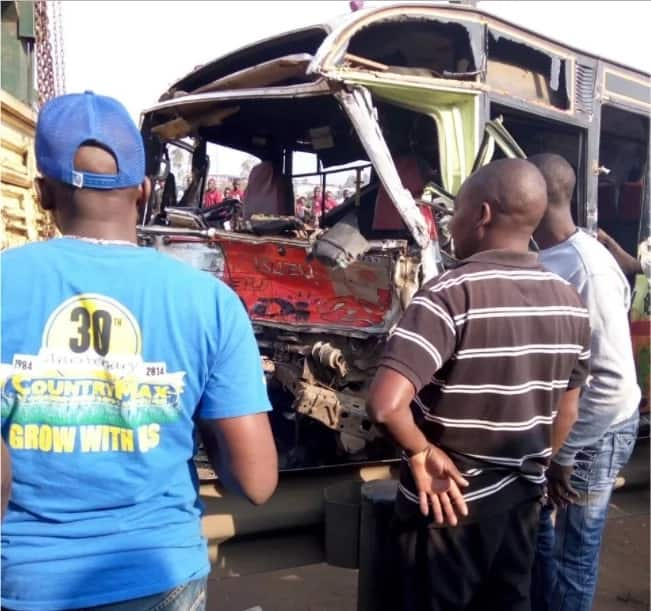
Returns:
<point x="279" y="283"/>
<point x="359" y="107"/>
<point x="342" y="244"/>
<point x="339" y="411"/>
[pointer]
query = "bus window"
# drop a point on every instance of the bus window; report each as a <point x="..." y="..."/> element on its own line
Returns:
<point x="536" y="135"/>
<point x="418" y="46"/>
<point x="624" y="142"/>
<point x="525" y="71"/>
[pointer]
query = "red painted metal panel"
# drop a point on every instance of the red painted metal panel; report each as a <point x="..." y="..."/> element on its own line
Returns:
<point x="279" y="283"/>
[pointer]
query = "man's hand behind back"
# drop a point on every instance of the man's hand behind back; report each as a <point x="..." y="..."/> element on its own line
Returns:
<point x="559" y="485"/>
<point x="438" y="480"/>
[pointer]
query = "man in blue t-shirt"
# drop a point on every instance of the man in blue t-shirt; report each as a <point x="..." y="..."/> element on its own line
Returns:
<point x="113" y="356"/>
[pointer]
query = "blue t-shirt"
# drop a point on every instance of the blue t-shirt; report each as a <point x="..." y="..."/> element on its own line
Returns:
<point x="108" y="354"/>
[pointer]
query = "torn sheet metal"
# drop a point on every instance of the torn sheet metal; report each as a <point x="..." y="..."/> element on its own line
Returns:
<point x="340" y="411"/>
<point x="193" y="102"/>
<point x="507" y="143"/>
<point x="280" y="284"/>
<point x="476" y="34"/>
<point x="496" y="134"/>
<point x="262" y="75"/>
<point x="360" y="110"/>
<point x="332" y="50"/>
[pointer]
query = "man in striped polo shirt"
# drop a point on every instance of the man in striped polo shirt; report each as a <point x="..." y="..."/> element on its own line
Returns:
<point x="479" y="385"/>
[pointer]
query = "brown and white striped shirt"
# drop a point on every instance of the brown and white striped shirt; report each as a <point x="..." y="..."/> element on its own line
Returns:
<point x="490" y="347"/>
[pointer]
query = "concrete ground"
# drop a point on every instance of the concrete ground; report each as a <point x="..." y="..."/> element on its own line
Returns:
<point x="623" y="576"/>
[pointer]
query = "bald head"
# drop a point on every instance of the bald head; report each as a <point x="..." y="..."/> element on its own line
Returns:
<point x="559" y="177"/>
<point x="498" y="207"/>
<point x="514" y="189"/>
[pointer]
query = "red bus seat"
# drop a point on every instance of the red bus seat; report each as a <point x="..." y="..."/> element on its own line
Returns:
<point x="268" y="191"/>
<point x="607" y="202"/>
<point x="385" y="215"/>
<point x="630" y="201"/>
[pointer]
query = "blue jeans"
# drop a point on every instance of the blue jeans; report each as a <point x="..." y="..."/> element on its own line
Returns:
<point x="190" y="596"/>
<point x="567" y="555"/>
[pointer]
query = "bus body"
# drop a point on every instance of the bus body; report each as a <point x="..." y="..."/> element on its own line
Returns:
<point x="406" y="100"/>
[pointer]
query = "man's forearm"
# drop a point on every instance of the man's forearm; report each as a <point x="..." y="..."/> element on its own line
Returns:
<point x="629" y="264"/>
<point x="243" y="454"/>
<point x="588" y="428"/>
<point x="389" y="401"/>
<point x="400" y="426"/>
<point x="561" y="429"/>
<point x="568" y="410"/>
<point x="219" y="463"/>
<point x="603" y="401"/>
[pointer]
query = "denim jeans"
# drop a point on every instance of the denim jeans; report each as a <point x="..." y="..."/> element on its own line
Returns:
<point x="567" y="555"/>
<point x="190" y="596"/>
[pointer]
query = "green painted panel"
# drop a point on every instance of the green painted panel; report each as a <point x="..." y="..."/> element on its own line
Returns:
<point x="456" y="115"/>
<point x="17" y="71"/>
<point x="25" y="20"/>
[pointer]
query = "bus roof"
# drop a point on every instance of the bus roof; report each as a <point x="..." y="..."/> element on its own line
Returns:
<point x="323" y="39"/>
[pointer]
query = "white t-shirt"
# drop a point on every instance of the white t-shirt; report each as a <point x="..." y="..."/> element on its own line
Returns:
<point x="611" y="394"/>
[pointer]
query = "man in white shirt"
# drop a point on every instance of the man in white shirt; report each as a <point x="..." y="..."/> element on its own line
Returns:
<point x="583" y="471"/>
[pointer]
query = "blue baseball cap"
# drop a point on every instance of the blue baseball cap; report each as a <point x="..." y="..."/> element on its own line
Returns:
<point x="68" y="121"/>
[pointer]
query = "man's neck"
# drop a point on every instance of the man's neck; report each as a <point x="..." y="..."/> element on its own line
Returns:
<point x="499" y="240"/>
<point x="107" y="232"/>
<point x="553" y="236"/>
<point x="556" y="226"/>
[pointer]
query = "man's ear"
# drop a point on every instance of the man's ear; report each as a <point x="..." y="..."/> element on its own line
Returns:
<point x="485" y="215"/>
<point x="144" y="191"/>
<point x="45" y="194"/>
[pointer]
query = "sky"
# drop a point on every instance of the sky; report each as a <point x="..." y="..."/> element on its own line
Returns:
<point x="134" y="50"/>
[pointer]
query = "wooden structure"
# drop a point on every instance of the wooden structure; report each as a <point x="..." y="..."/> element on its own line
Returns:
<point x="21" y="218"/>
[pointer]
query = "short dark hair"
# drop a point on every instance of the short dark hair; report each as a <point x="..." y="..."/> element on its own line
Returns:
<point x="559" y="177"/>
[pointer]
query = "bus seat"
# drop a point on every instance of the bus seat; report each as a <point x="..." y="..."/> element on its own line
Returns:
<point x="630" y="201"/>
<point x="385" y="215"/>
<point x="607" y="202"/>
<point x="268" y="192"/>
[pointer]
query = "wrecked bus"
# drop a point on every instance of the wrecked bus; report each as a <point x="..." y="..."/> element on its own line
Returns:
<point x="407" y="99"/>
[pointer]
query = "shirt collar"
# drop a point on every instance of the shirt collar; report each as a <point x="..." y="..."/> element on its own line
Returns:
<point x="561" y="245"/>
<point x="506" y="258"/>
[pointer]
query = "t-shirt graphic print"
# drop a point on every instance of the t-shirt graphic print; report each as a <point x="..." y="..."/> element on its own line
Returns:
<point x="88" y="388"/>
